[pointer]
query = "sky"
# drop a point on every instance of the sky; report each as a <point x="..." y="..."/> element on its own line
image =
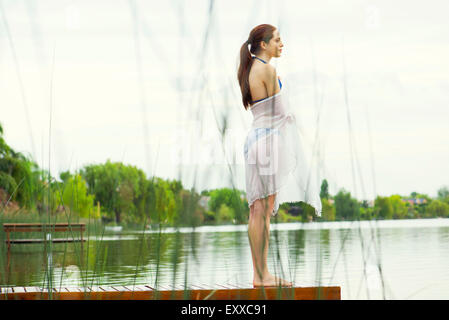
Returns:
<point x="148" y="83"/>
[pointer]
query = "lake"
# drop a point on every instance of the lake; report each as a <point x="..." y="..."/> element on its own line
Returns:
<point x="391" y="259"/>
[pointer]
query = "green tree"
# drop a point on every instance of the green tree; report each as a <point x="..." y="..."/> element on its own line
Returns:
<point x="75" y="197"/>
<point x="65" y="175"/>
<point x="443" y="194"/>
<point x="438" y="208"/>
<point x="225" y="214"/>
<point x="346" y="208"/>
<point x="165" y="203"/>
<point x="328" y="213"/>
<point x="190" y="213"/>
<point x="7" y="183"/>
<point x="324" y="193"/>
<point x="4" y="148"/>
<point x="22" y="170"/>
<point x="385" y="208"/>
<point x="367" y="213"/>
<point x="422" y="207"/>
<point x="117" y="187"/>
<point x="398" y="206"/>
<point x="230" y="197"/>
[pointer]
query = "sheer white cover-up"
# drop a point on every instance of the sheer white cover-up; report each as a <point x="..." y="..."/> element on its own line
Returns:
<point x="275" y="162"/>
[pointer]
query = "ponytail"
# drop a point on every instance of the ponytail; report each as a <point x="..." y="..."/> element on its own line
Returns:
<point x="246" y="62"/>
<point x="263" y="32"/>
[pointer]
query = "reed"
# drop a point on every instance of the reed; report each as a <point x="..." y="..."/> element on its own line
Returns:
<point x="91" y="263"/>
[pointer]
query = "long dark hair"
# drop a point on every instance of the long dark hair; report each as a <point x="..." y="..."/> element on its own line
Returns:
<point x="263" y="32"/>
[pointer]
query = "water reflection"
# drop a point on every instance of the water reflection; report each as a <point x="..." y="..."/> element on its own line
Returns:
<point x="369" y="260"/>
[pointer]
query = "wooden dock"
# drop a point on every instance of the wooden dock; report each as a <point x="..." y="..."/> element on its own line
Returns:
<point x="165" y="292"/>
<point x="46" y="229"/>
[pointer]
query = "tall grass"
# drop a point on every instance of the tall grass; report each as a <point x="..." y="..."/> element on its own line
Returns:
<point x="92" y="257"/>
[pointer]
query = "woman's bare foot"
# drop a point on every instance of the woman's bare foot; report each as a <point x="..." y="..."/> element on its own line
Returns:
<point x="271" y="281"/>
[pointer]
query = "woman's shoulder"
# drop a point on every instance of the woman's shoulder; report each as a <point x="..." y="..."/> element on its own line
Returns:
<point x="266" y="71"/>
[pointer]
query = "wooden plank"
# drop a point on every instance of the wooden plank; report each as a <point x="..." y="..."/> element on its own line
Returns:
<point x="247" y="284"/>
<point x="240" y="285"/>
<point x="196" y="287"/>
<point x="36" y="227"/>
<point x="108" y="288"/>
<point x="163" y="287"/>
<point x="139" y="288"/>
<point x="46" y="226"/>
<point x="304" y="293"/>
<point x="43" y="230"/>
<point x="19" y="224"/>
<point x="114" y="288"/>
<point x="121" y="288"/>
<point x="232" y="285"/>
<point x="180" y="287"/>
<point x="223" y="286"/>
<point x="56" y="240"/>
<point x="209" y="286"/>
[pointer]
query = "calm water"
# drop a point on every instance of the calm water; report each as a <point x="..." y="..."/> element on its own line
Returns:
<point x="397" y="259"/>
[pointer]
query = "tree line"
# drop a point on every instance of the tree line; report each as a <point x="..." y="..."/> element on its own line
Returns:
<point x="122" y="194"/>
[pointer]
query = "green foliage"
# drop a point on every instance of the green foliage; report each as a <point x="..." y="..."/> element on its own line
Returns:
<point x="123" y="192"/>
<point x="74" y="196"/>
<point x="324" y="193"/>
<point x="231" y="198"/>
<point x="65" y="175"/>
<point x="443" y="194"/>
<point x="165" y="203"/>
<point x="189" y="212"/>
<point x="15" y="166"/>
<point x="283" y="216"/>
<point x="4" y="148"/>
<point x="118" y="187"/>
<point x="367" y="213"/>
<point x="328" y="213"/>
<point x="438" y="208"/>
<point x="346" y="208"/>
<point x="398" y="207"/>
<point x="225" y="213"/>
<point x="7" y="183"/>
<point x="385" y="207"/>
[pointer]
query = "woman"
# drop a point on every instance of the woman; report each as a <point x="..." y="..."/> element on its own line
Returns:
<point x="275" y="167"/>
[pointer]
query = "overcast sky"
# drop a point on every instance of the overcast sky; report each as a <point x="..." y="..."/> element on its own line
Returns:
<point x="140" y="81"/>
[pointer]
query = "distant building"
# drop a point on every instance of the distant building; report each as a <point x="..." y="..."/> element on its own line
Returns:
<point x="203" y="202"/>
<point x="370" y="203"/>
<point x="414" y="200"/>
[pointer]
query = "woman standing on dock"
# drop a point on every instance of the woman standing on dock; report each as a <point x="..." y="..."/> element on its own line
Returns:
<point x="275" y="166"/>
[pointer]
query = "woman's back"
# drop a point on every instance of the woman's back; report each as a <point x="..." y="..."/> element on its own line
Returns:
<point x="262" y="80"/>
